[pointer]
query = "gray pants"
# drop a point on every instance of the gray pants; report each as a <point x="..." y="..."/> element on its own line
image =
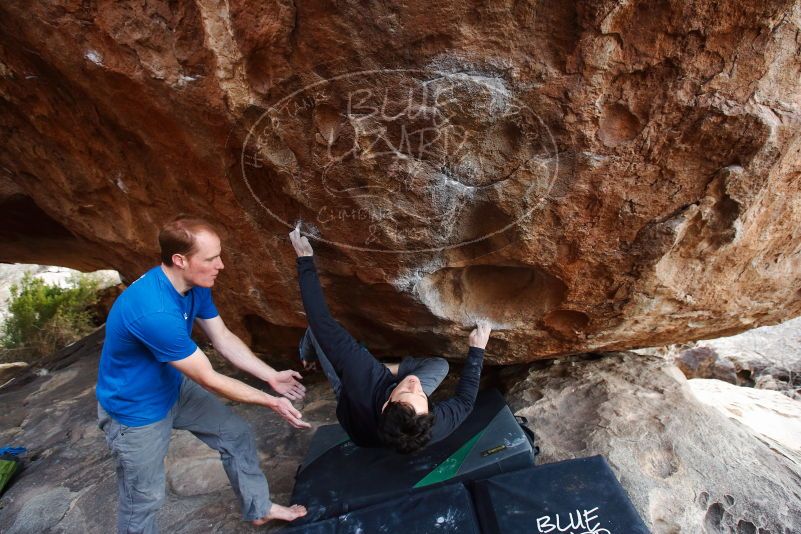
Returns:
<point x="431" y="371"/>
<point x="139" y="453"/>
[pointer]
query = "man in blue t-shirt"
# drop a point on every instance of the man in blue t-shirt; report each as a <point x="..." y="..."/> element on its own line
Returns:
<point x="154" y="378"/>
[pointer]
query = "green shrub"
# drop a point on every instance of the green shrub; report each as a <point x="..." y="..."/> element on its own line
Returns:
<point x="45" y="317"/>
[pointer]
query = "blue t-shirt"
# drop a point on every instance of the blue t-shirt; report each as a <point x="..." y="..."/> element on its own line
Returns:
<point x="149" y="325"/>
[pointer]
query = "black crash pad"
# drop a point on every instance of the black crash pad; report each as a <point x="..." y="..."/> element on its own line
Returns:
<point x="571" y="497"/>
<point x="440" y="510"/>
<point x="337" y="477"/>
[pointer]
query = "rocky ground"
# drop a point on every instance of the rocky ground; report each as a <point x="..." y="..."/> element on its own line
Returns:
<point x="772" y="416"/>
<point x="687" y="467"/>
<point x="69" y="484"/>
<point x="768" y="357"/>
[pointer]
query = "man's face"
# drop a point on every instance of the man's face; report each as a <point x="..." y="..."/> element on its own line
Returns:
<point x="203" y="266"/>
<point x="410" y="391"/>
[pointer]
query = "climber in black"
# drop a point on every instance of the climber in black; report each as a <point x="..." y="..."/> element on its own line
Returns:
<point x="375" y="407"/>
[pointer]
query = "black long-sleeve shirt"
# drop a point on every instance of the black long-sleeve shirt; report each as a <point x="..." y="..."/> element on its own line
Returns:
<point x="366" y="382"/>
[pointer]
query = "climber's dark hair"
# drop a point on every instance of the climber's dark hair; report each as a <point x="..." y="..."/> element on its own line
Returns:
<point x="402" y="429"/>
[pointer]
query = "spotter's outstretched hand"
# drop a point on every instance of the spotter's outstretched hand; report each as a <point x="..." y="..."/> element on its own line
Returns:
<point x="289" y="413"/>
<point x="301" y="243"/>
<point x="287" y="384"/>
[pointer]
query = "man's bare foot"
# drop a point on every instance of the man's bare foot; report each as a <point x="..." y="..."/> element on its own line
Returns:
<point x="283" y="513"/>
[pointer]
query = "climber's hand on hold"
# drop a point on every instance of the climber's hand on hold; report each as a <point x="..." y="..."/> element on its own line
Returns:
<point x="301" y="243"/>
<point x="480" y="335"/>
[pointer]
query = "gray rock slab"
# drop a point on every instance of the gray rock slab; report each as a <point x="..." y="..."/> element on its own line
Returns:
<point x="686" y="466"/>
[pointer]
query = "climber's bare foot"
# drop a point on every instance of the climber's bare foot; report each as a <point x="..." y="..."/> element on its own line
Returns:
<point x="283" y="513"/>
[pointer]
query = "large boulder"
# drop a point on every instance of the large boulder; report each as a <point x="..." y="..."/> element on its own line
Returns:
<point x="704" y="362"/>
<point x="767" y="357"/>
<point x="589" y="175"/>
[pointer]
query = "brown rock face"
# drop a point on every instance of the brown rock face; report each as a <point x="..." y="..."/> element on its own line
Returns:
<point x="587" y="175"/>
